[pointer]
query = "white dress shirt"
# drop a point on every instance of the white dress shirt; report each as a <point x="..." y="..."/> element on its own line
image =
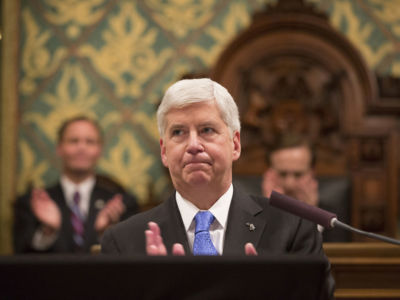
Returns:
<point x="40" y="241"/>
<point x="220" y="211"/>
<point x="85" y="191"/>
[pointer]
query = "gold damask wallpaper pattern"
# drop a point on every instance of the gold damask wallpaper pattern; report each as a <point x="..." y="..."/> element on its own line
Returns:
<point x="113" y="59"/>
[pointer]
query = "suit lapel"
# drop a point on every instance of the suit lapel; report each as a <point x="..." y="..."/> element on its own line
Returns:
<point x="65" y="240"/>
<point x="245" y="225"/>
<point x="57" y="195"/>
<point x="96" y="198"/>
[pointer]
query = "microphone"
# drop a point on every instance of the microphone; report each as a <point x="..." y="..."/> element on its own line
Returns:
<point x="317" y="215"/>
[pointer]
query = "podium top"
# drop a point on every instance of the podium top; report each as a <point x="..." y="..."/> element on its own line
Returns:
<point x="112" y="277"/>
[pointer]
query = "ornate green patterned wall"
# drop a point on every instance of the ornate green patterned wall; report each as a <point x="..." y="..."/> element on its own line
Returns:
<point x="373" y="26"/>
<point x="113" y="59"/>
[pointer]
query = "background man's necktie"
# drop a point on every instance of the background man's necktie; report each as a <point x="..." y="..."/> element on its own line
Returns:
<point x="202" y="240"/>
<point x="77" y="220"/>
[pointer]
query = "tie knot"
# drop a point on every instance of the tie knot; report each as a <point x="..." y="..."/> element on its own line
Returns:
<point x="77" y="197"/>
<point x="203" y="220"/>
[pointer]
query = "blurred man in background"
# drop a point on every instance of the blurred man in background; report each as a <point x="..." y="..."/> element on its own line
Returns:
<point x="71" y="216"/>
<point x="291" y="171"/>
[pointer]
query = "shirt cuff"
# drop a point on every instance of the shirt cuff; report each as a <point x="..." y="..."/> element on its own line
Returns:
<point x="42" y="241"/>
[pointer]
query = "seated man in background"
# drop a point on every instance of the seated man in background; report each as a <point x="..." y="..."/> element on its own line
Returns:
<point x="199" y="130"/>
<point x="291" y="172"/>
<point x="71" y="216"/>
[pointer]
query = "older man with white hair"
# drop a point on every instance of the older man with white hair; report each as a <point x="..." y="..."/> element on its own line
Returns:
<point x="199" y="127"/>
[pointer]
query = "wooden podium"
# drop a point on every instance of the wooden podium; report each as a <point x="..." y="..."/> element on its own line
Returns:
<point x="98" y="277"/>
<point x="365" y="270"/>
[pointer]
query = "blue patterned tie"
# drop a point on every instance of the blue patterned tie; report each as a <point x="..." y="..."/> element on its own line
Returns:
<point x="77" y="221"/>
<point x="202" y="240"/>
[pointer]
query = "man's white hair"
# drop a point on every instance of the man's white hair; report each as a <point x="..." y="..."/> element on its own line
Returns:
<point x="189" y="91"/>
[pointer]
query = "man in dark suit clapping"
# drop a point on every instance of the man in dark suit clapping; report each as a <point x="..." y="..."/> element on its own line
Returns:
<point x="71" y="216"/>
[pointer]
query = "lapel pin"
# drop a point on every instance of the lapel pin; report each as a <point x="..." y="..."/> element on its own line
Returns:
<point x="251" y="226"/>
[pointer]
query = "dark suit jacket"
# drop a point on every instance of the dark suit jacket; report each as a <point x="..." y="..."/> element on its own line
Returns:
<point x="25" y="222"/>
<point x="276" y="232"/>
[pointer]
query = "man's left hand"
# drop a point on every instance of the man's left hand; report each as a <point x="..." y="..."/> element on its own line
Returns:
<point x="110" y="214"/>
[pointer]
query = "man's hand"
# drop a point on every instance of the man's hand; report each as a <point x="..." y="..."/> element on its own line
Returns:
<point x="155" y="245"/>
<point x="307" y="190"/>
<point x="110" y="214"/>
<point x="250" y="250"/>
<point x="270" y="183"/>
<point x="45" y="210"/>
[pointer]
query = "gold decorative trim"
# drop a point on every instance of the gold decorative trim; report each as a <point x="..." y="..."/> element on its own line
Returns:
<point x="8" y="127"/>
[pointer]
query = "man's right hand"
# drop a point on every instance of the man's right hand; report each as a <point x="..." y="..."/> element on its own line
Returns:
<point x="46" y="210"/>
<point x="155" y="245"/>
<point x="270" y="183"/>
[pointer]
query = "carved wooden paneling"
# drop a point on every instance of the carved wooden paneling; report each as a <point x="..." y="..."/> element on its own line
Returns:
<point x="374" y="171"/>
<point x="389" y="96"/>
<point x="364" y="271"/>
<point x="291" y="72"/>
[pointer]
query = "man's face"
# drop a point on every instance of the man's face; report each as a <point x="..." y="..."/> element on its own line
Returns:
<point x="80" y="147"/>
<point x="197" y="147"/>
<point x="291" y="166"/>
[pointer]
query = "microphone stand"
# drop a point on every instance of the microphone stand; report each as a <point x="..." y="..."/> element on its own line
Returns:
<point x="336" y="223"/>
<point x="319" y="216"/>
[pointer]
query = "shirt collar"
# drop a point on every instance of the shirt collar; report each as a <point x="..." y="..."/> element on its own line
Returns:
<point x="220" y="208"/>
<point x="69" y="187"/>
